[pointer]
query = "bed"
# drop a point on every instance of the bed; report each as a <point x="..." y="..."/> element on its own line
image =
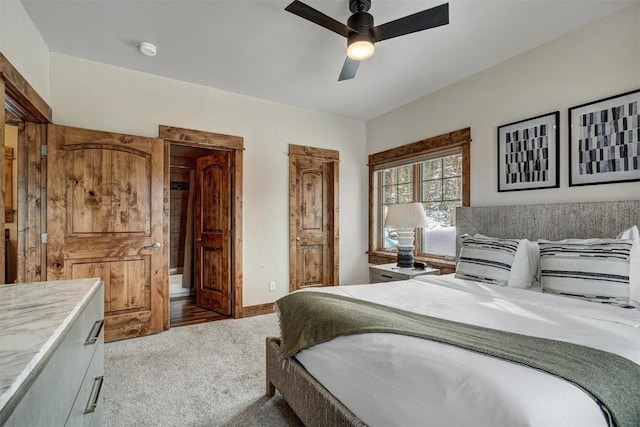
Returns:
<point x="344" y="381"/>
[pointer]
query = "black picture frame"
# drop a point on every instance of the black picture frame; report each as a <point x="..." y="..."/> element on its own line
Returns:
<point x="604" y="140"/>
<point x="528" y="154"/>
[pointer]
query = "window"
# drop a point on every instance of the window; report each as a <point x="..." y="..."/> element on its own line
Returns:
<point x="398" y="186"/>
<point x="434" y="172"/>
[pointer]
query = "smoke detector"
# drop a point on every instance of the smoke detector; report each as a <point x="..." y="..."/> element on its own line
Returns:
<point x="148" y="49"/>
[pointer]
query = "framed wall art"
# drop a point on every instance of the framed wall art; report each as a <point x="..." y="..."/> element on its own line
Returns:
<point x="528" y="153"/>
<point x="604" y="141"/>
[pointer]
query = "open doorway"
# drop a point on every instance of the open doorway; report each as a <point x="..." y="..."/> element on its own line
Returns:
<point x="11" y="201"/>
<point x="24" y="108"/>
<point x="200" y="250"/>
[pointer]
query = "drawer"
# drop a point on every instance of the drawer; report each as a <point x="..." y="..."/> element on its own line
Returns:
<point x="92" y="330"/>
<point x="83" y="346"/>
<point x="89" y="397"/>
<point x="376" y="276"/>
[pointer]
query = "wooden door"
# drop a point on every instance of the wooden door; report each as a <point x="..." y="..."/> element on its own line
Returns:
<point x="212" y="232"/>
<point x="313" y="210"/>
<point x="105" y="219"/>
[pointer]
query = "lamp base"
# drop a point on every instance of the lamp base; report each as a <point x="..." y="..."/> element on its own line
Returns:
<point x="405" y="247"/>
<point x="405" y="257"/>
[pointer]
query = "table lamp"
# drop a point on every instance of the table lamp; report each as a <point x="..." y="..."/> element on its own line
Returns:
<point x="405" y="218"/>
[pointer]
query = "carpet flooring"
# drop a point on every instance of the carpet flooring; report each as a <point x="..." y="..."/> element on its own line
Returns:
<point x="211" y="374"/>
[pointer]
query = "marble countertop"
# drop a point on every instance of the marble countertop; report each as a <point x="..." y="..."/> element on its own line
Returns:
<point x="34" y="318"/>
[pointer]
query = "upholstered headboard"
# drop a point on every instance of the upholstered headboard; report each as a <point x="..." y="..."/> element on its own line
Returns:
<point x="551" y="222"/>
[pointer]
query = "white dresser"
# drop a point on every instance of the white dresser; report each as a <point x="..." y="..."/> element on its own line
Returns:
<point x="51" y="353"/>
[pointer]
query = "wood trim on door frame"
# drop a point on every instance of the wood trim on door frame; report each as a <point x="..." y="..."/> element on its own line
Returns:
<point x="22" y="100"/>
<point x="24" y="104"/>
<point x="3" y="267"/>
<point x="32" y="202"/>
<point x="216" y="141"/>
<point x="329" y="156"/>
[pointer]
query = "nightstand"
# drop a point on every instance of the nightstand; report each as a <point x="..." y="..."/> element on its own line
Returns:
<point x="390" y="273"/>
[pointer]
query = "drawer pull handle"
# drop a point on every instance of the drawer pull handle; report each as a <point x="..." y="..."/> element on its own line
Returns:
<point x="387" y="276"/>
<point x="95" y="395"/>
<point x="95" y="332"/>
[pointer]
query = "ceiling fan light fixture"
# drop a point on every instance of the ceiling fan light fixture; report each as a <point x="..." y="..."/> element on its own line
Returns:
<point x="360" y="47"/>
<point x="361" y="33"/>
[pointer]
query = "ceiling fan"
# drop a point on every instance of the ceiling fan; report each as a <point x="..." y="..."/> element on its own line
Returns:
<point x="360" y="32"/>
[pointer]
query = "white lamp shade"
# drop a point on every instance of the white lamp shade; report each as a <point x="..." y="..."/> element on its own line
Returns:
<point x="405" y="215"/>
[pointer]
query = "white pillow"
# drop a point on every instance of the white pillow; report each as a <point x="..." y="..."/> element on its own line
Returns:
<point x="634" y="268"/>
<point x="525" y="263"/>
<point x="492" y="260"/>
<point x="595" y="269"/>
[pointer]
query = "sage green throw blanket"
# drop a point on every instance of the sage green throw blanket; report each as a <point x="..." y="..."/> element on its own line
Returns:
<point x="309" y="318"/>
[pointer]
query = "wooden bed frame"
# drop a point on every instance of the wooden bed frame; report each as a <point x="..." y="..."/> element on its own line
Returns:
<point x="315" y="406"/>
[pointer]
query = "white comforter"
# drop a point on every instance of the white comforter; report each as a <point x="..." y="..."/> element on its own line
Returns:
<point x="388" y="379"/>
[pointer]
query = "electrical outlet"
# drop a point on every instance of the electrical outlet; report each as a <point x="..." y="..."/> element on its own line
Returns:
<point x="272" y="285"/>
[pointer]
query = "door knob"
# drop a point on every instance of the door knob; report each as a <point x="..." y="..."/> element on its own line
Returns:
<point x="154" y="245"/>
<point x="299" y="238"/>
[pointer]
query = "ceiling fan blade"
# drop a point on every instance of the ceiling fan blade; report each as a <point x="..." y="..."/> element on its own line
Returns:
<point x="348" y="69"/>
<point x="317" y="17"/>
<point x="430" y="18"/>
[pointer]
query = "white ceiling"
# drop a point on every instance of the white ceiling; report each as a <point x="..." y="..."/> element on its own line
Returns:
<point x="256" y="48"/>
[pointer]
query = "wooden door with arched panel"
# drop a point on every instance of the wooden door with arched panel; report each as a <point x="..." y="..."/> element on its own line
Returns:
<point x="105" y="219"/>
<point x="212" y="232"/>
<point x="313" y="217"/>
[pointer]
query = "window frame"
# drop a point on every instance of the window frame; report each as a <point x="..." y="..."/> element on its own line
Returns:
<point x="459" y="139"/>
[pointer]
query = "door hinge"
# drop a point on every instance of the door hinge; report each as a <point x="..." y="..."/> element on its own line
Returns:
<point x="44" y="238"/>
<point x="44" y="150"/>
<point x="231" y="169"/>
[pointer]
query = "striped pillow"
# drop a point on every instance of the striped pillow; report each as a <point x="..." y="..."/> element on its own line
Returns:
<point x="486" y="259"/>
<point x="634" y="265"/>
<point x="597" y="270"/>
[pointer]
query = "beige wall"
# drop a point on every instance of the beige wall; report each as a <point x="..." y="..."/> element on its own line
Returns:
<point x="22" y="45"/>
<point x="593" y="62"/>
<point x="97" y="96"/>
